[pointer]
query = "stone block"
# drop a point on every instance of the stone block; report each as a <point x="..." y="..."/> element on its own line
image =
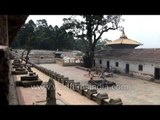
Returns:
<point x="59" y="78"/>
<point x="81" y="89"/>
<point x="18" y="83"/>
<point x="31" y="83"/>
<point x="19" y="72"/>
<point x="75" y="85"/>
<point x="100" y="97"/>
<point x="20" y="69"/>
<point x="29" y="78"/>
<point x="116" y="101"/>
<point x="29" y="69"/>
<point x="69" y="83"/>
<point x="64" y="80"/>
<point x="32" y="73"/>
<point x="89" y="93"/>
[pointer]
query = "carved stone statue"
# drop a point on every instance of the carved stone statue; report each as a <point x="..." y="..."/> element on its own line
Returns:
<point x="51" y="96"/>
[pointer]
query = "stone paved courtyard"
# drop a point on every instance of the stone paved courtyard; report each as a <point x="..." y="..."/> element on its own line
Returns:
<point x="132" y="91"/>
<point x="37" y="95"/>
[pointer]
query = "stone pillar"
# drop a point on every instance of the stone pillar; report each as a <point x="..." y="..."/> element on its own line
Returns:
<point x="51" y="96"/>
<point x="4" y="30"/>
<point x="4" y="75"/>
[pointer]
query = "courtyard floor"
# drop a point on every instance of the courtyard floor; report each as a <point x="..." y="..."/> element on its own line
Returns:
<point x="37" y="95"/>
<point x="132" y="91"/>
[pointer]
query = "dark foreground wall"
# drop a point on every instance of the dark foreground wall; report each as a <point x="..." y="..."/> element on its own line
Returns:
<point x="4" y="75"/>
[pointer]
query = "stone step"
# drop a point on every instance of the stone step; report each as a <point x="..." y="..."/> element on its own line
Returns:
<point x="31" y="83"/>
<point x="19" y="72"/>
<point x="29" y="78"/>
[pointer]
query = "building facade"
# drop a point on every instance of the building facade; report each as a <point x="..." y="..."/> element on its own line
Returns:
<point x="141" y="63"/>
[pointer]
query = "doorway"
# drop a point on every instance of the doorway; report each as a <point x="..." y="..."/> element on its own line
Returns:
<point x="108" y="64"/>
<point x="157" y="73"/>
<point x="127" y="68"/>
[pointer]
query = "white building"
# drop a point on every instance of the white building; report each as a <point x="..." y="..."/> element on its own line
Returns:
<point x="123" y="58"/>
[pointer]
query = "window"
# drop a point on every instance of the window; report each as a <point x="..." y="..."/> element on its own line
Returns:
<point x="140" y="67"/>
<point x="116" y="64"/>
<point x="100" y="61"/>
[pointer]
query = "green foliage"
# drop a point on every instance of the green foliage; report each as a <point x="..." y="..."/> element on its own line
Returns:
<point x="42" y="36"/>
<point x="22" y="36"/>
<point x="79" y="54"/>
<point x="90" y="30"/>
<point x="80" y="34"/>
<point x="102" y="45"/>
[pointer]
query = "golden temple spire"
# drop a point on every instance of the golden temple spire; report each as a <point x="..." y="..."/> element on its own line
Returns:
<point x="123" y="33"/>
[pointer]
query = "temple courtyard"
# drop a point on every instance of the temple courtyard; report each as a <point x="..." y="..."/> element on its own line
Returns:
<point x="132" y="91"/>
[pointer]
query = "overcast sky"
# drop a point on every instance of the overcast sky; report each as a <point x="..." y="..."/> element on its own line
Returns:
<point x="142" y="28"/>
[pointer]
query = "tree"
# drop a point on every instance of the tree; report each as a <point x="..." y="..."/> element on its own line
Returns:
<point x="90" y="29"/>
<point x="101" y="45"/>
<point x="80" y="45"/>
<point x="45" y="37"/>
<point x="22" y="36"/>
<point x="30" y="29"/>
<point x="28" y="49"/>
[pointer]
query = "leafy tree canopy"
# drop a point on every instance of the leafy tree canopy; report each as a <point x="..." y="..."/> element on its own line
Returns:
<point x="90" y="30"/>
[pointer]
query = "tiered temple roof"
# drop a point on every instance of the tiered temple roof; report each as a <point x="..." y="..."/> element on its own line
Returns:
<point x="123" y="42"/>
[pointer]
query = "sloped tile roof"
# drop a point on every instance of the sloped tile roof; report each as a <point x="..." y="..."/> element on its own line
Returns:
<point x="147" y="55"/>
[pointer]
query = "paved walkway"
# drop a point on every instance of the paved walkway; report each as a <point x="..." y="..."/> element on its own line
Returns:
<point x="37" y="95"/>
<point x="132" y="91"/>
<point x="67" y="95"/>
